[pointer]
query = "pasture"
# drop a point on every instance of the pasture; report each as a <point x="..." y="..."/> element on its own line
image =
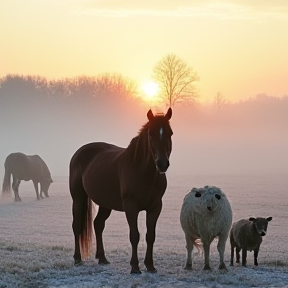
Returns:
<point x="37" y="245"/>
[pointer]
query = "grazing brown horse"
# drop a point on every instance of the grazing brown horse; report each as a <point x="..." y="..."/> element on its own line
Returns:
<point x="26" y="167"/>
<point x="128" y="179"/>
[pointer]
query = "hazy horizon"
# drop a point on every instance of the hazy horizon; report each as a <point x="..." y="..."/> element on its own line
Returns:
<point x="244" y="137"/>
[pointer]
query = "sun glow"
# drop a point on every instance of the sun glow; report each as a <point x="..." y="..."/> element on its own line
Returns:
<point x="150" y="89"/>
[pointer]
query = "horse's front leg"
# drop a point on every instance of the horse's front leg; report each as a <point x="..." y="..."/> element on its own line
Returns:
<point x="132" y="212"/>
<point x="151" y="220"/>
<point x="36" y="189"/>
<point x="15" y="187"/>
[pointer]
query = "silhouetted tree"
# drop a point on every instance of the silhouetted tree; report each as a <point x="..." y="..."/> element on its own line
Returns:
<point x="116" y="85"/>
<point x="219" y="100"/>
<point x="176" y="81"/>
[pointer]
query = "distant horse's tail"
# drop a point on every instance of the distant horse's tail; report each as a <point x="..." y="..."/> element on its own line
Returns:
<point x="6" y="186"/>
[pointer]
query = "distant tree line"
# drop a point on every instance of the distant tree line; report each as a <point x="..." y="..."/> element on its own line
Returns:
<point x="105" y="85"/>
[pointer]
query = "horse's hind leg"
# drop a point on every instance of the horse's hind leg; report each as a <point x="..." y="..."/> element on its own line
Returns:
<point x="99" y="225"/>
<point x="15" y="187"/>
<point x="76" y="225"/>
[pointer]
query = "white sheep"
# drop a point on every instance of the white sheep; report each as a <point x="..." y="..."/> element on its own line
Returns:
<point x="206" y="214"/>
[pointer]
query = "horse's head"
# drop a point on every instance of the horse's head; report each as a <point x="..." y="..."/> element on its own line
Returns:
<point x="160" y="143"/>
<point x="45" y="184"/>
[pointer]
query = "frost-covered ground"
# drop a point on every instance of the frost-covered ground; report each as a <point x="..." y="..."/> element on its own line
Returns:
<point x="36" y="240"/>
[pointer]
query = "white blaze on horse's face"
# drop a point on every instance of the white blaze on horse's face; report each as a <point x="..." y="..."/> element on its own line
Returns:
<point x="161" y="133"/>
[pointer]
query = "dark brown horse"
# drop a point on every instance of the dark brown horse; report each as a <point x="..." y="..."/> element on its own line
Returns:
<point x="128" y="179"/>
<point x="26" y="167"/>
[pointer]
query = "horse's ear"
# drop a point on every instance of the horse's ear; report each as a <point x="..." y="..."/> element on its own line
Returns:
<point x="150" y="115"/>
<point x="168" y="115"/>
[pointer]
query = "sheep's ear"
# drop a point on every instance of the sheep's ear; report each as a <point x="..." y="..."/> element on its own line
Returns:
<point x="252" y="219"/>
<point x="218" y="197"/>
<point x="197" y="194"/>
<point x="269" y="219"/>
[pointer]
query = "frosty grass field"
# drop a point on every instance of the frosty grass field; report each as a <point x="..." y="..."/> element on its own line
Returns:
<point x="36" y="239"/>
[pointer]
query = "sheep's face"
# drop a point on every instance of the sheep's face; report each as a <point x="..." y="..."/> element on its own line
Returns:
<point x="260" y="224"/>
<point x="207" y="199"/>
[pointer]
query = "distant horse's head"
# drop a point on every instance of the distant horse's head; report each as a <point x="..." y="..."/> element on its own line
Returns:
<point x="160" y="143"/>
<point x="45" y="184"/>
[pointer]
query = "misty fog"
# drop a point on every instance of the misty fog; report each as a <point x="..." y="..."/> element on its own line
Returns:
<point x="247" y="136"/>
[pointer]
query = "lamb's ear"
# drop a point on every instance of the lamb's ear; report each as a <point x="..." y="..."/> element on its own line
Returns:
<point x="269" y="219"/>
<point x="150" y="115"/>
<point x="252" y="219"/>
<point x="168" y="115"/>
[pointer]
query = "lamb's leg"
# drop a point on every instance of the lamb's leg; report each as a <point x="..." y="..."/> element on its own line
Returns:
<point x="232" y="255"/>
<point x="238" y="254"/>
<point x="232" y="244"/>
<point x="221" y="248"/>
<point x="256" y="251"/>
<point x="244" y="256"/>
<point x="206" y="246"/>
<point x="189" y="247"/>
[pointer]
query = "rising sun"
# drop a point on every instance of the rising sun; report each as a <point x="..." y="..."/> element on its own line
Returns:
<point x="150" y="89"/>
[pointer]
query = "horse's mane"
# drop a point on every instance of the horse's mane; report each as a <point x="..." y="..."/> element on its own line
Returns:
<point x="140" y="142"/>
<point x="45" y="170"/>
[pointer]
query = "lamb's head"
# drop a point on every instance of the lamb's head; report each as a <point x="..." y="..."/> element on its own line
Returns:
<point x="260" y="224"/>
<point x="207" y="199"/>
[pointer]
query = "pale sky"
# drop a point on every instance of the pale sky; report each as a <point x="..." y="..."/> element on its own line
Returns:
<point x="239" y="48"/>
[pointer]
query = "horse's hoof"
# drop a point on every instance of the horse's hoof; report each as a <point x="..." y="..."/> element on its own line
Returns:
<point x="135" y="271"/>
<point x="188" y="267"/>
<point x="151" y="270"/>
<point x="78" y="262"/>
<point x="103" y="261"/>
<point x="18" y="200"/>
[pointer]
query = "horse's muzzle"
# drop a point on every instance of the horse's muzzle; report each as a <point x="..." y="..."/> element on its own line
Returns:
<point x="162" y="165"/>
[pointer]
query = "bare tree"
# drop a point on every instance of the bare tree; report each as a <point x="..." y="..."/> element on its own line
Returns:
<point x="219" y="100"/>
<point x="116" y="84"/>
<point x="176" y="81"/>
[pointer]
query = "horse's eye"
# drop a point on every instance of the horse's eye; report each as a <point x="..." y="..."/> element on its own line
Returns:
<point x="218" y="196"/>
<point x="197" y="194"/>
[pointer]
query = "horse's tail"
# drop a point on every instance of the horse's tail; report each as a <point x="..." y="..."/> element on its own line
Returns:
<point x="6" y="186"/>
<point x="82" y="209"/>
<point x="85" y="238"/>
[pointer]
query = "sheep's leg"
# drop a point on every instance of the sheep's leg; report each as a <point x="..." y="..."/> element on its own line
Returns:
<point x="232" y="255"/>
<point x="221" y="249"/>
<point x="206" y="246"/>
<point x="244" y="256"/>
<point x="256" y="251"/>
<point x="238" y="254"/>
<point x="189" y="247"/>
